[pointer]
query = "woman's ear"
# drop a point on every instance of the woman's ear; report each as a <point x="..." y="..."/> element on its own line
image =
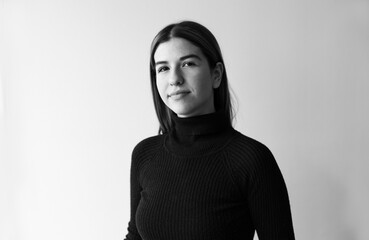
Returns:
<point x="217" y="74"/>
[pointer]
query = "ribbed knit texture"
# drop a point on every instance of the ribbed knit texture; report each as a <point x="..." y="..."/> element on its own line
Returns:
<point x="205" y="180"/>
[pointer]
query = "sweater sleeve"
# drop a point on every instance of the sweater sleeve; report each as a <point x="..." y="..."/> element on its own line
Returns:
<point x="261" y="182"/>
<point x="135" y="197"/>
<point x="268" y="197"/>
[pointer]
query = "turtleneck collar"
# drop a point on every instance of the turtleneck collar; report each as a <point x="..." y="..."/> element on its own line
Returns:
<point x="200" y="125"/>
<point x="199" y="134"/>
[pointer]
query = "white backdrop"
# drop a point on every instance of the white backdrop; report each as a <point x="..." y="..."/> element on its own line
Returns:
<point x="75" y="99"/>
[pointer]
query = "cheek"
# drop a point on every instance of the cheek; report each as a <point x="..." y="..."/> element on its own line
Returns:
<point x="204" y="84"/>
<point x="161" y="88"/>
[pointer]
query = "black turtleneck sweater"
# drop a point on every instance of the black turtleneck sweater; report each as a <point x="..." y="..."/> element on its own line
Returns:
<point x="205" y="180"/>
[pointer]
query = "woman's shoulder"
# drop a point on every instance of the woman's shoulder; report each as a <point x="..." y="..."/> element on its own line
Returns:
<point x="245" y="151"/>
<point x="247" y="145"/>
<point x="148" y="146"/>
<point x="249" y="157"/>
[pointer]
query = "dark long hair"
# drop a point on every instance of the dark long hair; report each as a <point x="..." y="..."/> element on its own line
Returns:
<point x="202" y="38"/>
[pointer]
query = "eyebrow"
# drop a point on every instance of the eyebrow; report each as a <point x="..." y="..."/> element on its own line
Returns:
<point x="181" y="58"/>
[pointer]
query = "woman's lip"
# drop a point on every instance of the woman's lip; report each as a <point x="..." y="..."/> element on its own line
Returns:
<point x="177" y="93"/>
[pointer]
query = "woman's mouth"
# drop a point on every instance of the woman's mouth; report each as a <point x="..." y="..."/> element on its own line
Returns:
<point x="178" y="94"/>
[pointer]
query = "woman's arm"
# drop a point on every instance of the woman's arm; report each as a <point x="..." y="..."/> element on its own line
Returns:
<point x="268" y="199"/>
<point x="135" y="199"/>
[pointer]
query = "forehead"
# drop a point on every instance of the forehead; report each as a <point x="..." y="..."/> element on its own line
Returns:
<point x="174" y="49"/>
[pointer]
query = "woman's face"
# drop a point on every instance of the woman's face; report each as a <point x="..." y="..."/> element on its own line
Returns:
<point x="184" y="78"/>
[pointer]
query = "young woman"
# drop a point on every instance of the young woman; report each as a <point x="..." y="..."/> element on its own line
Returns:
<point x="200" y="178"/>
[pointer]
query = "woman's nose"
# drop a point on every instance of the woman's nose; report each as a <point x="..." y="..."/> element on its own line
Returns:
<point x="176" y="78"/>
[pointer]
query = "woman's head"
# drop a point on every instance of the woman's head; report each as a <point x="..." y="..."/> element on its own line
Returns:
<point x="186" y="59"/>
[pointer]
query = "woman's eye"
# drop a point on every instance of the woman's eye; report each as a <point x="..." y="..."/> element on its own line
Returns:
<point x="188" y="64"/>
<point x="162" y="69"/>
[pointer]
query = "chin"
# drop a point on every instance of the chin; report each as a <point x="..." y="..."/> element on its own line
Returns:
<point x="182" y="112"/>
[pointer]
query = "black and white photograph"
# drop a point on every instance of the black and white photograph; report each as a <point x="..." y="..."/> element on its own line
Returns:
<point x="184" y="120"/>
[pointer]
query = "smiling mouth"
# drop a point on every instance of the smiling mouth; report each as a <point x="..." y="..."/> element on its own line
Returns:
<point x="178" y="94"/>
